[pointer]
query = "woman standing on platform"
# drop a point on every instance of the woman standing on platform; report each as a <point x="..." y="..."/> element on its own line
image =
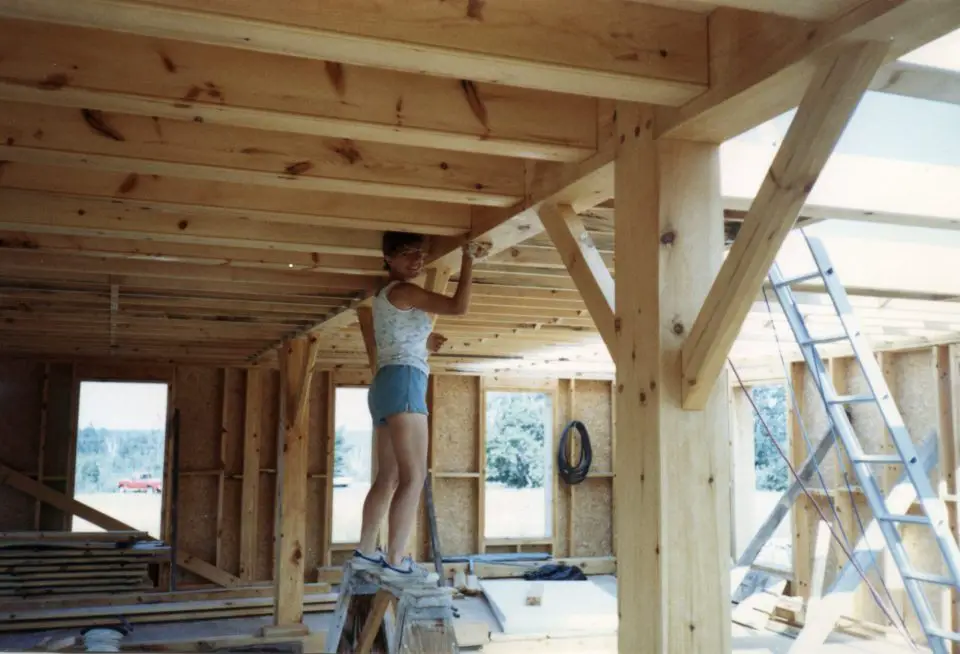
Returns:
<point x="398" y="335"/>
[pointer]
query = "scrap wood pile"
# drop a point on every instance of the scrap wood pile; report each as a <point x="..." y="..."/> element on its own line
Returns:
<point x="151" y="607"/>
<point x="46" y="563"/>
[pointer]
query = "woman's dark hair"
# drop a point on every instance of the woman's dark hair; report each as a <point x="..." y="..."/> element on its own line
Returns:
<point x="393" y="242"/>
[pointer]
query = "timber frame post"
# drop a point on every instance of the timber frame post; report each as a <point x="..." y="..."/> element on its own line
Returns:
<point x="297" y="358"/>
<point x="674" y="591"/>
<point x="831" y="98"/>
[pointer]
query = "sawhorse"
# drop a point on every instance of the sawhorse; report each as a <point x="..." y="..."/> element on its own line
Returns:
<point x="374" y="615"/>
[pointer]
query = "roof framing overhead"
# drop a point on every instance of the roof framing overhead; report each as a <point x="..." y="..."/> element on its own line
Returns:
<point x="200" y="179"/>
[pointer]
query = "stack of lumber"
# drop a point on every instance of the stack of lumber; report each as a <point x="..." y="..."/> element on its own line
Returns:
<point x="43" y="563"/>
<point x="33" y="615"/>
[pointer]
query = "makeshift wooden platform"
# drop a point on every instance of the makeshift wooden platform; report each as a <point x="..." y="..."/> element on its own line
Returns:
<point x="374" y="615"/>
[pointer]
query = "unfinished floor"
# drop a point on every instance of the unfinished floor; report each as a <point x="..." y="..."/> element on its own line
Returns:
<point x="472" y="609"/>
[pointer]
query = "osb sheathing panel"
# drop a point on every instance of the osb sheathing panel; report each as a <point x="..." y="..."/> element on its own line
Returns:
<point x="318" y="426"/>
<point x="455" y="424"/>
<point x="313" y="552"/>
<point x="60" y="427"/>
<point x="455" y="501"/>
<point x="21" y="384"/>
<point x="230" y="536"/>
<point x="269" y="418"/>
<point x="592" y="402"/>
<point x="20" y="401"/>
<point x="197" y="519"/>
<point x="815" y="423"/>
<point x="593" y="518"/>
<point x="235" y="402"/>
<point x="265" y="524"/>
<point x="199" y="399"/>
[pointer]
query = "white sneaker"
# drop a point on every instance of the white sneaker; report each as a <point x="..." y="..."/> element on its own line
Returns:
<point x="373" y="563"/>
<point x="407" y="571"/>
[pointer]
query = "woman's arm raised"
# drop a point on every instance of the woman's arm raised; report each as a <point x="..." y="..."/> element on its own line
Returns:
<point x="411" y="296"/>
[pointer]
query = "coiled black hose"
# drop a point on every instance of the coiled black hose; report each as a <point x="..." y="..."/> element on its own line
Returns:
<point x="574" y="474"/>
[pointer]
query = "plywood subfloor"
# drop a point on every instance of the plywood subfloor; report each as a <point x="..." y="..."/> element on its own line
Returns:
<point x="745" y="641"/>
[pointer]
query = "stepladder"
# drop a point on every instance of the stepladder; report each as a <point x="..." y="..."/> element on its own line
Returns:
<point x="375" y="616"/>
<point x="890" y="508"/>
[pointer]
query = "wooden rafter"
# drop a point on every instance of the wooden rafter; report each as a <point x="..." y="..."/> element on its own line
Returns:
<point x="618" y="49"/>
<point x="127" y="74"/>
<point x="831" y="99"/>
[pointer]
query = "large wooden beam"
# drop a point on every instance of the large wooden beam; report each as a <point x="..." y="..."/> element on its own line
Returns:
<point x="586" y="266"/>
<point x="69" y="505"/>
<point x="831" y="99"/>
<point x="761" y="63"/>
<point x="609" y="49"/>
<point x="126" y="73"/>
<point x="674" y="589"/>
<point x="297" y="361"/>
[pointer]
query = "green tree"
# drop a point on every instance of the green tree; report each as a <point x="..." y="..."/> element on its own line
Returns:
<point x="516" y="438"/>
<point x="771" y="469"/>
<point x="89" y="477"/>
<point x="340" y="451"/>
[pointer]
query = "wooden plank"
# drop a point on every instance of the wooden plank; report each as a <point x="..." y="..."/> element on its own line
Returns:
<point x="744" y="94"/>
<point x="125" y="73"/>
<point x="669" y="243"/>
<point x="70" y="506"/>
<point x="831" y="99"/>
<point x="42" y="445"/>
<point x="619" y="50"/>
<point x="585" y="265"/>
<point x="481" y="453"/>
<point x="250" y="489"/>
<point x="297" y="359"/>
<point x="330" y="390"/>
<point x="944" y="362"/>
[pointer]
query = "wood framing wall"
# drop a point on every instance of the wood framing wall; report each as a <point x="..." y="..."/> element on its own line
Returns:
<point x="924" y="384"/>
<point x="227" y="467"/>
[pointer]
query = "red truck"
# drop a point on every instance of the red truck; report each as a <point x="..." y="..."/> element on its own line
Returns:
<point x="142" y="483"/>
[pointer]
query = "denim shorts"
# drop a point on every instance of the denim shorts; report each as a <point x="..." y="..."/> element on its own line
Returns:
<point x="397" y="389"/>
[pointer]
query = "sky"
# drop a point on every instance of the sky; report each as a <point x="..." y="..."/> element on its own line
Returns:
<point x="123" y="405"/>
<point x="351" y="409"/>
<point x="895" y="127"/>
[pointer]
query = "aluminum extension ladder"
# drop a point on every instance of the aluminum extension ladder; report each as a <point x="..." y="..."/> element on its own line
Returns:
<point x="885" y="520"/>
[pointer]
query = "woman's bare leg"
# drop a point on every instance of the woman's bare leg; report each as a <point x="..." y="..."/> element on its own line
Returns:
<point x="381" y="492"/>
<point x="408" y="433"/>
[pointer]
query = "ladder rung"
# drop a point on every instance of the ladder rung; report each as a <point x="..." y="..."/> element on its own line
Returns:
<point x="911" y="519"/>
<point x="852" y="399"/>
<point x="928" y="578"/>
<point x="823" y="340"/>
<point x="943" y="633"/>
<point x="787" y="281"/>
<point x="889" y="459"/>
